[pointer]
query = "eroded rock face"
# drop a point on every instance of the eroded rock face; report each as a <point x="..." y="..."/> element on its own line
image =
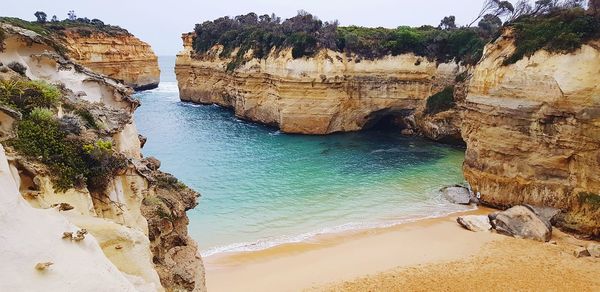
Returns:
<point x="330" y="92"/>
<point x="532" y="131"/>
<point x="120" y="56"/>
<point x="175" y="253"/>
<point x="115" y="216"/>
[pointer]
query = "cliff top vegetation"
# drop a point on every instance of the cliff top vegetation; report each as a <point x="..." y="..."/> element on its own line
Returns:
<point x="82" y="25"/>
<point x="557" y="27"/>
<point x="305" y="34"/>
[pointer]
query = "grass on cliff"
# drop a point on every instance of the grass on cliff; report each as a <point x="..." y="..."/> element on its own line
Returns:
<point x="74" y="161"/>
<point x="562" y="31"/>
<point x="441" y="101"/>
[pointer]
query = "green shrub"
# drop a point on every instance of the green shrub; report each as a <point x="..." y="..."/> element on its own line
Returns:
<point x="562" y="31"/>
<point x="27" y="95"/>
<point x="39" y="136"/>
<point x="72" y="163"/>
<point x="103" y="164"/>
<point x="441" y="101"/>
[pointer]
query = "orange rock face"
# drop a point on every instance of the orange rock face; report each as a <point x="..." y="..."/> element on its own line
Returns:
<point x="120" y="56"/>
<point x="533" y="132"/>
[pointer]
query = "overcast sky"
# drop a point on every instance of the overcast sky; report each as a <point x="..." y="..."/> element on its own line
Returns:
<point x="161" y="23"/>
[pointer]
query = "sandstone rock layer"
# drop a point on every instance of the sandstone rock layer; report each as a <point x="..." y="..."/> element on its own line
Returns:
<point x="532" y="131"/>
<point x="120" y="56"/>
<point x="330" y="92"/>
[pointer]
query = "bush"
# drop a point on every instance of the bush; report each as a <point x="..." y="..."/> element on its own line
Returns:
<point x="27" y="95"/>
<point x="71" y="162"/>
<point x="103" y="164"/>
<point x="39" y="136"/>
<point x="441" y="101"/>
<point x="562" y="31"/>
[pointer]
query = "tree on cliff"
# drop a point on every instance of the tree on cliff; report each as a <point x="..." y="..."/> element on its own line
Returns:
<point x="54" y="18"/>
<point x="71" y="15"/>
<point x="448" y="22"/>
<point x="495" y="7"/>
<point x="40" y="16"/>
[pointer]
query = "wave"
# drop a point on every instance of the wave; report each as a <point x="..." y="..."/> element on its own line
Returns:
<point x="391" y="150"/>
<point x="166" y="87"/>
<point x="267" y="243"/>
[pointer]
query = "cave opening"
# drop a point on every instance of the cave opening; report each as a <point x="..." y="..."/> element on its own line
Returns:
<point x="388" y="120"/>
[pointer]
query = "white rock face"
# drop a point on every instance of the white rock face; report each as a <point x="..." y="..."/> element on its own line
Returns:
<point x="31" y="236"/>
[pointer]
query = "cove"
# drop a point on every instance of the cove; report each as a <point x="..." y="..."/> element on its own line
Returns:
<point x="261" y="188"/>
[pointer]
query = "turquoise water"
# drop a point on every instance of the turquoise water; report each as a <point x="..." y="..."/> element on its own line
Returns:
<point x="261" y="188"/>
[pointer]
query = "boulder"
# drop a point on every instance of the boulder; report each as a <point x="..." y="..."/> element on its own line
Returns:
<point x="547" y="214"/>
<point x="457" y="195"/>
<point x="521" y="222"/>
<point x="475" y="223"/>
<point x="594" y="250"/>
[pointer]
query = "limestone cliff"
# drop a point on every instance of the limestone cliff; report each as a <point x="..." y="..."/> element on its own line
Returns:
<point x="330" y="92"/>
<point x="127" y="218"/>
<point x="533" y="131"/>
<point x="121" y="56"/>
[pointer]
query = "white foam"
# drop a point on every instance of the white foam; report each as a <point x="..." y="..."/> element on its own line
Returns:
<point x="267" y="243"/>
<point x="166" y="87"/>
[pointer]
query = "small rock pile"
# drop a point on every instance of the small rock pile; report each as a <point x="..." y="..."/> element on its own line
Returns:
<point x="523" y="221"/>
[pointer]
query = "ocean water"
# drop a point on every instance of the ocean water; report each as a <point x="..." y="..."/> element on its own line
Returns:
<point x="261" y="188"/>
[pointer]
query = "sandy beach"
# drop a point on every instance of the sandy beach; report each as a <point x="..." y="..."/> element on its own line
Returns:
<point x="431" y="254"/>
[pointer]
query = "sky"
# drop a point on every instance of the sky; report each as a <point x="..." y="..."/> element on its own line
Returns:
<point x="161" y="23"/>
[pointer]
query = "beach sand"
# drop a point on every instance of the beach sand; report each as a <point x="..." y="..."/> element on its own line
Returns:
<point x="432" y="254"/>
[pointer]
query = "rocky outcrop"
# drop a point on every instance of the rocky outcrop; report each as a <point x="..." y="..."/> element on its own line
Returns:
<point x="532" y="131"/>
<point x="176" y="256"/>
<point x="36" y="258"/>
<point x="330" y="92"/>
<point x="116" y="217"/>
<point x="121" y="56"/>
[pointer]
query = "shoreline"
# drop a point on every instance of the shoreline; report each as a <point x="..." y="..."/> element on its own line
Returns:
<point x="322" y="235"/>
<point x="367" y="257"/>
